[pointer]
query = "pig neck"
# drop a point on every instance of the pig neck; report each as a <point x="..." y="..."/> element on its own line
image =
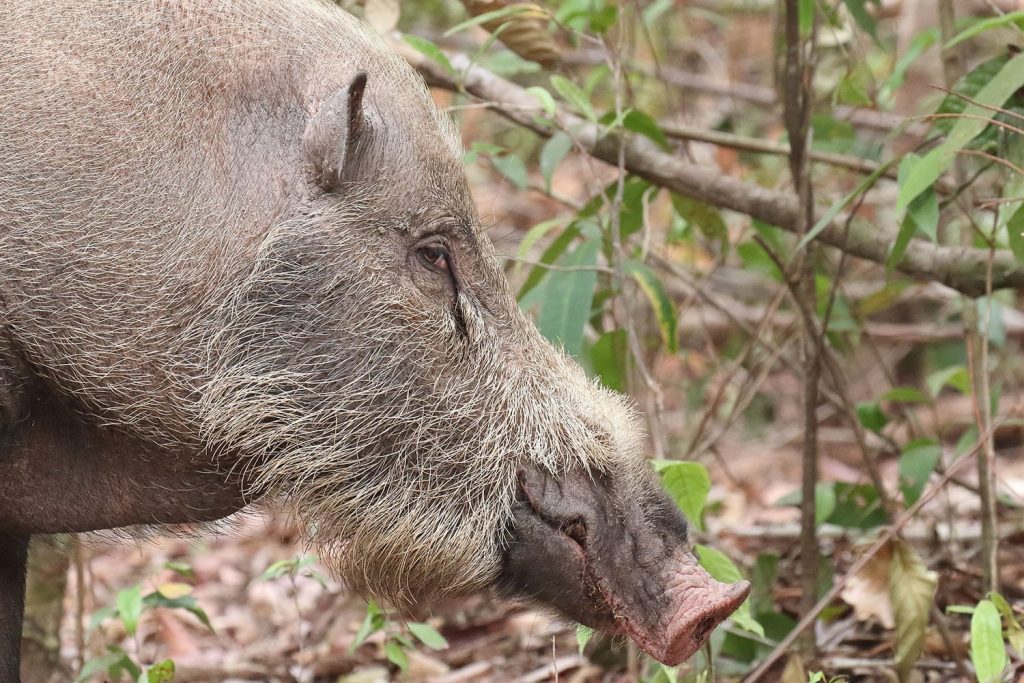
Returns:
<point x="63" y="472"/>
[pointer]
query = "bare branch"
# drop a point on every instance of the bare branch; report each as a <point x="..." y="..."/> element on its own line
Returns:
<point x="962" y="268"/>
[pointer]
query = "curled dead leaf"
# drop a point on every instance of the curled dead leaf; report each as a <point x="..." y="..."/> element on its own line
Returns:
<point x="525" y="32"/>
<point x="868" y="592"/>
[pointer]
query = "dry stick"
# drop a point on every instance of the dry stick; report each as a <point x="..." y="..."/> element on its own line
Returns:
<point x="977" y="343"/>
<point x="796" y="80"/>
<point x="78" y="557"/>
<point x="987" y="487"/>
<point x="747" y="144"/>
<point x="959" y="267"/>
<point x="886" y="536"/>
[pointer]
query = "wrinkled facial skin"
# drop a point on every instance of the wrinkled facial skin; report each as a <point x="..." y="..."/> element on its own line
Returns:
<point x="619" y="566"/>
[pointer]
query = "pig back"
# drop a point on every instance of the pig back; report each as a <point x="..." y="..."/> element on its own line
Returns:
<point x="146" y="149"/>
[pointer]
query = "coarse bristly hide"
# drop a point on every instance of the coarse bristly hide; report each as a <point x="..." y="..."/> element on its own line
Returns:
<point x="180" y="275"/>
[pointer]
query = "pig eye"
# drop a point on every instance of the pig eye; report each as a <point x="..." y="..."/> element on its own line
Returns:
<point x="577" y="531"/>
<point x="434" y="257"/>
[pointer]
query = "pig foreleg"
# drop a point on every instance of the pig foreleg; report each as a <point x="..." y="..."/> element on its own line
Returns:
<point x="13" y="555"/>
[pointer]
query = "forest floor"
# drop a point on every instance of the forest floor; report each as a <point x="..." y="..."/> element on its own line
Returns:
<point x="300" y="626"/>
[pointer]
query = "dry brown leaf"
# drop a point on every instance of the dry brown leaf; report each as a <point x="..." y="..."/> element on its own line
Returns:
<point x="525" y="32"/>
<point x="912" y="594"/>
<point x="794" y="671"/>
<point x="868" y="593"/>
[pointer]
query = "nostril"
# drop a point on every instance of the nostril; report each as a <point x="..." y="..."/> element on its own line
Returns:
<point x="577" y="531"/>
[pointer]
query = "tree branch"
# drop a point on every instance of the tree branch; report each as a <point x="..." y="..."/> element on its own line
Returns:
<point x="961" y="268"/>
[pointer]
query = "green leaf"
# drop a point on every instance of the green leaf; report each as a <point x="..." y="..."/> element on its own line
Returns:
<point x="129" y="607"/>
<point x="550" y="255"/>
<point x="853" y="88"/>
<point x="554" y="150"/>
<point x="688" y="483"/>
<point x="487" y="17"/>
<point x="185" y="602"/>
<point x="988" y="653"/>
<point x="1015" y="231"/>
<point x="924" y="174"/>
<point x="862" y="17"/>
<point x="428" y="635"/>
<point x="969" y="85"/>
<point x="993" y="310"/>
<point x="583" y="636"/>
<point x="396" y="655"/>
<point x="513" y="168"/>
<point x="566" y="306"/>
<point x="833" y="211"/>
<point x="603" y="18"/>
<point x="663" y="306"/>
<point x="547" y="102"/>
<point x="921" y="42"/>
<point x="161" y="672"/>
<point x="871" y="416"/>
<point x="904" y="395"/>
<point x="180" y="568"/>
<point x="115" y="659"/>
<point x="708" y="219"/>
<point x="606" y="358"/>
<point x="722" y="569"/>
<point x="100" y="615"/>
<point x="954" y="376"/>
<point x="572" y="94"/>
<point x="1014" y="631"/>
<point x="917" y="463"/>
<point x="857" y="506"/>
<point x="278" y="569"/>
<point x="373" y="622"/>
<point x="534" y="234"/>
<point x="911" y="591"/>
<point x="986" y="25"/>
<point x="925" y="212"/>
<point x="824" y="502"/>
<point x="805" y="17"/>
<point x="922" y="215"/>
<point x="643" y="123"/>
<point x="430" y="51"/>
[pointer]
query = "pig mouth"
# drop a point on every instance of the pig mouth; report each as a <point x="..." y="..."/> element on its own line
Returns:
<point x="622" y="568"/>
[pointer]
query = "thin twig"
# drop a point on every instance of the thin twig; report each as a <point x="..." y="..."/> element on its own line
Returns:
<point x="749" y="144"/>
<point x="796" y="81"/>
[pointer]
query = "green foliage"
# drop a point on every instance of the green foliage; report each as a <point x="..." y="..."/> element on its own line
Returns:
<point x="663" y="307"/>
<point x="688" y="483"/>
<point x="291" y="568"/>
<point x="431" y="50"/>
<point x="988" y="654"/>
<point x="398" y="636"/>
<point x="562" y="317"/>
<point x="973" y="121"/>
<point x="129" y="608"/>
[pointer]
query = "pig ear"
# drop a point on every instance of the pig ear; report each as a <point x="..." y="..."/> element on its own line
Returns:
<point x="332" y="133"/>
